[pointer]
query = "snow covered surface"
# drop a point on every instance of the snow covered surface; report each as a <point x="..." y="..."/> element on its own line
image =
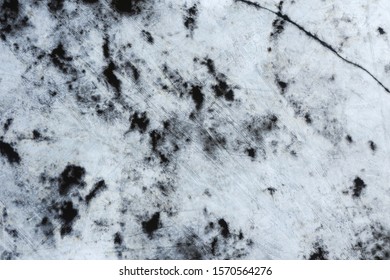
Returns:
<point x="210" y="129"/>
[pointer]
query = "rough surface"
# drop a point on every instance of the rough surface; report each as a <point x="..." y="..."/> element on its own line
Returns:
<point x="197" y="129"/>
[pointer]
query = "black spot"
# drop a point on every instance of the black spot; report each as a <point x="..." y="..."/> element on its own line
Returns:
<point x="12" y="232"/>
<point x="90" y="1"/>
<point x="71" y="176"/>
<point x="7" y="255"/>
<point x="270" y="122"/>
<point x="240" y="235"/>
<point x="97" y="188"/>
<point x="36" y="134"/>
<point x="278" y="25"/>
<point x="7" y="151"/>
<point x="9" y="16"/>
<point x="163" y="158"/>
<point x="224" y="228"/>
<point x="127" y="7"/>
<point x="280" y="6"/>
<point x="134" y="71"/>
<point x="282" y="85"/>
<point x="139" y="121"/>
<point x="271" y="190"/>
<point x="60" y="59"/>
<point x="197" y="96"/>
<point x="118" y="240"/>
<point x="190" y="18"/>
<point x="7" y="124"/>
<point x="55" y="5"/>
<point x="372" y="145"/>
<point x="319" y="253"/>
<point x="106" y="48"/>
<point x="381" y="31"/>
<point x="349" y="138"/>
<point x="190" y="248"/>
<point x="214" y="245"/>
<point x="223" y="89"/>
<point x="46" y="227"/>
<point x="210" y="65"/>
<point x="251" y="152"/>
<point x="155" y="139"/>
<point x="213" y="140"/>
<point x="358" y="186"/>
<point x="67" y="214"/>
<point x="308" y="118"/>
<point x="111" y="78"/>
<point x="152" y="225"/>
<point x="148" y="37"/>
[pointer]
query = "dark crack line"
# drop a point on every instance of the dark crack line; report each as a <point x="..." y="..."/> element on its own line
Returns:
<point x="314" y="37"/>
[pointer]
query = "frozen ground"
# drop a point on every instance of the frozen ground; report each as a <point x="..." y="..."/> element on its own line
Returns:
<point x="194" y="129"/>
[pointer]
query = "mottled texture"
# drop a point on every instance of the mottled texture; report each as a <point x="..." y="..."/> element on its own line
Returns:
<point x="197" y="129"/>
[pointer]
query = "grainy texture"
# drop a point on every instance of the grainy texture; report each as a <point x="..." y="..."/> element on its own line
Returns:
<point x="194" y="129"/>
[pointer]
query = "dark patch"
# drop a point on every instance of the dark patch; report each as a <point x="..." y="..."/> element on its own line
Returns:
<point x="210" y="65"/>
<point x="269" y="49"/>
<point x="139" y="121"/>
<point x="67" y="214"/>
<point x="278" y="27"/>
<point x="10" y="17"/>
<point x="148" y="37"/>
<point x="251" y="152"/>
<point x="308" y="119"/>
<point x="282" y="85"/>
<point x="134" y="71"/>
<point x="240" y="235"/>
<point x="372" y="145"/>
<point x="12" y="232"/>
<point x="271" y="190"/>
<point x="259" y="126"/>
<point x="197" y="96"/>
<point x="97" y="188"/>
<point x="280" y="5"/>
<point x="349" y="138"/>
<point x="36" y="134"/>
<point x="190" y="248"/>
<point x="152" y="224"/>
<point x="72" y="175"/>
<point x="7" y="255"/>
<point x="7" y="124"/>
<point x="155" y="139"/>
<point x="60" y="59"/>
<point x="55" y="5"/>
<point x="111" y="77"/>
<point x="128" y="7"/>
<point x="214" y="245"/>
<point x="224" y="228"/>
<point x="358" y="186"/>
<point x="190" y="18"/>
<point x="381" y="31"/>
<point x="223" y="89"/>
<point x="376" y="246"/>
<point x="213" y="140"/>
<point x="319" y="253"/>
<point x="118" y="240"/>
<point x="10" y="153"/>
<point x="90" y="1"/>
<point x="46" y="226"/>
<point x="106" y="48"/>
<point x="106" y="110"/>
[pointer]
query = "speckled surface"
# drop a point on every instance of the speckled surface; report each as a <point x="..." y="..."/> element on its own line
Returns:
<point x="194" y="129"/>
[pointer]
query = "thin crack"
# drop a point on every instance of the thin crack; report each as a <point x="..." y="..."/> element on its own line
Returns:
<point x="314" y="37"/>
